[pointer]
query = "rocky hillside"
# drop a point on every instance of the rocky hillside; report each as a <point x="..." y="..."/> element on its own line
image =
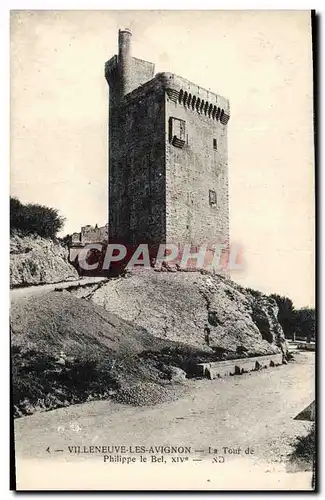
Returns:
<point x="133" y="338"/>
<point x="35" y="260"/>
<point x="208" y="312"/>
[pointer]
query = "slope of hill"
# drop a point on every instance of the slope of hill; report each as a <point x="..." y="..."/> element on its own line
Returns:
<point x="35" y="260"/>
<point x="208" y="312"/>
<point x="67" y="350"/>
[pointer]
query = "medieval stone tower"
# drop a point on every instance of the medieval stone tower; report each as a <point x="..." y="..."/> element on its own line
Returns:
<point x="168" y="165"/>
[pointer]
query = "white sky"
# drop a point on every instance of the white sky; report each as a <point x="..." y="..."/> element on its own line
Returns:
<point x="260" y="60"/>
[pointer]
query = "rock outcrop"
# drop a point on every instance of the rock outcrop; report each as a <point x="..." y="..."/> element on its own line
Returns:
<point x="35" y="260"/>
<point x="208" y="312"/>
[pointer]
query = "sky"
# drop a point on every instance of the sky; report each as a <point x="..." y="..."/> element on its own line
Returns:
<point x="260" y="60"/>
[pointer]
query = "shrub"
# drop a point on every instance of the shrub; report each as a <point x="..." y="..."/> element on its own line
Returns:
<point x="286" y="314"/>
<point x="305" y="323"/>
<point x="305" y="447"/>
<point x="34" y="219"/>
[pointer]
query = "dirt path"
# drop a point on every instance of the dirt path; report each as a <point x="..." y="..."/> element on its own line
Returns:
<point x="255" y="410"/>
<point x="16" y="293"/>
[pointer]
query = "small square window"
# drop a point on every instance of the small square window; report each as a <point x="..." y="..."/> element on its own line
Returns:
<point x="215" y="145"/>
<point x="212" y="198"/>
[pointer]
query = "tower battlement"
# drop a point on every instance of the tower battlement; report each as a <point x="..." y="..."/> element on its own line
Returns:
<point x="187" y="93"/>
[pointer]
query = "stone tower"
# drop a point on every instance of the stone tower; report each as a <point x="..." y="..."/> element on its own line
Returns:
<point x="168" y="161"/>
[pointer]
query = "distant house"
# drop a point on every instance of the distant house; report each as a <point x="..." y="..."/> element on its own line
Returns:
<point x="88" y="234"/>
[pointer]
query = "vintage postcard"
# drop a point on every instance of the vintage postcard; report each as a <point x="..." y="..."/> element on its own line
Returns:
<point x="162" y="276"/>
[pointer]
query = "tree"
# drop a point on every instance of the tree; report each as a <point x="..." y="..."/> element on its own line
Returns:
<point x="34" y="219"/>
<point x="305" y="323"/>
<point x="286" y="314"/>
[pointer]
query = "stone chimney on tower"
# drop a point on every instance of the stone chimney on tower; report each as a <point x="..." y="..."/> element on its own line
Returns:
<point x="124" y="61"/>
<point x="125" y="73"/>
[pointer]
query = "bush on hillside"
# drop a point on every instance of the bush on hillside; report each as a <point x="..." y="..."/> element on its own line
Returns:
<point x="34" y="219"/>
<point x="286" y="314"/>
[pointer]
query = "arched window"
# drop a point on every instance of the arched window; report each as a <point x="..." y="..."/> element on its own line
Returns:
<point x="198" y="102"/>
<point x="210" y="110"/>
<point x="206" y="108"/>
<point x="189" y="100"/>
<point x="202" y="105"/>
<point x="185" y="98"/>
<point x="214" y="111"/>
<point x="193" y="102"/>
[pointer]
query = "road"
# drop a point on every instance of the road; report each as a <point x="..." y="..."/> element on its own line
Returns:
<point x="16" y="293"/>
<point x="254" y="410"/>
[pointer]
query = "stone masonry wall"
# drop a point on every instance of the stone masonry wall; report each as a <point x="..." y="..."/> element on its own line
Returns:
<point x="137" y="170"/>
<point x="191" y="172"/>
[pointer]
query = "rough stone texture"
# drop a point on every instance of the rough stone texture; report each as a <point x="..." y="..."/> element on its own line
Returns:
<point x="192" y="171"/>
<point x="137" y="176"/>
<point x="159" y="184"/>
<point x="209" y="312"/>
<point x="34" y="260"/>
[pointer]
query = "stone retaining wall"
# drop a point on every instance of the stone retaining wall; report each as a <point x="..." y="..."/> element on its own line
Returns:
<point x="237" y="366"/>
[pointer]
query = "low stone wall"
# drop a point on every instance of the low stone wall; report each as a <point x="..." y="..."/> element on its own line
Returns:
<point x="237" y="366"/>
